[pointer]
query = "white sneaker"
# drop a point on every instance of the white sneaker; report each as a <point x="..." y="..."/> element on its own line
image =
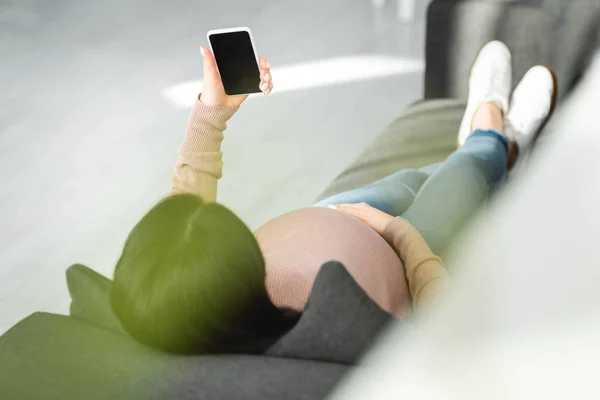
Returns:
<point x="490" y="82"/>
<point x="530" y="106"/>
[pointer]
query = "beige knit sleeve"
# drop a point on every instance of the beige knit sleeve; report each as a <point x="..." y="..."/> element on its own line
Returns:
<point x="200" y="163"/>
<point x="427" y="278"/>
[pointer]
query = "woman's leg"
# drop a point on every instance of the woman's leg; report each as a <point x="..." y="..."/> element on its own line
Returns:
<point x="461" y="184"/>
<point x="457" y="188"/>
<point x="392" y="194"/>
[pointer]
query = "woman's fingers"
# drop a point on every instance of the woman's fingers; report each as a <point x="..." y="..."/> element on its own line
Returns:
<point x="352" y="209"/>
<point x="266" y="79"/>
<point x="356" y="207"/>
<point x="266" y="83"/>
<point x="376" y="219"/>
<point x="265" y="74"/>
<point x="262" y="62"/>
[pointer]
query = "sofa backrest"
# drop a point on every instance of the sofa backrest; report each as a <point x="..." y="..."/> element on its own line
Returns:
<point x="559" y="34"/>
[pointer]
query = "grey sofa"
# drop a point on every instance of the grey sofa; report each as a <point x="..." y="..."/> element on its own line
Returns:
<point x="48" y="356"/>
<point x="87" y="355"/>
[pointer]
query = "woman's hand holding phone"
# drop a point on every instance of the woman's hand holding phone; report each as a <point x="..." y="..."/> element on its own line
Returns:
<point x="213" y="92"/>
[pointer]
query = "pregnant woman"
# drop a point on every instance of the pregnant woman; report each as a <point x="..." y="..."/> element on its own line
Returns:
<point x="193" y="278"/>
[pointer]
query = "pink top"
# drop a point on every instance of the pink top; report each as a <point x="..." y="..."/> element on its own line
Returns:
<point x="296" y="244"/>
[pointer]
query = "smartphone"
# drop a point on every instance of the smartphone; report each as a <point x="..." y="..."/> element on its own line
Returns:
<point x="236" y="59"/>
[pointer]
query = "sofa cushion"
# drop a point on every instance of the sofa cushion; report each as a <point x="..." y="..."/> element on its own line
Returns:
<point x="340" y="322"/>
<point x="424" y="135"/>
<point x="90" y="297"/>
<point x="52" y="357"/>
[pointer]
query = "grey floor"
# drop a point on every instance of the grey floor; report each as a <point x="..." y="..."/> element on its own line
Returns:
<point x="88" y="140"/>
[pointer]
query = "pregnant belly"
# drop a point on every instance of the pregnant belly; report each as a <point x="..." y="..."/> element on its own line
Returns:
<point x="295" y="245"/>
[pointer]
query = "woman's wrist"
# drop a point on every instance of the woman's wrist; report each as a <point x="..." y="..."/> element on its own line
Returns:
<point x="205" y="128"/>
<point x="215" y="114"/>
<point x="208" y="103"/>
<point x="395" y="228"/>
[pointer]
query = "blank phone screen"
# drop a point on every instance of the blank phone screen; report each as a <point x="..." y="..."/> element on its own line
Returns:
<point x="236" y="62"/>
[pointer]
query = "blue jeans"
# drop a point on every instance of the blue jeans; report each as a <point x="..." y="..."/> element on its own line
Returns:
<point x="439" y="199"/>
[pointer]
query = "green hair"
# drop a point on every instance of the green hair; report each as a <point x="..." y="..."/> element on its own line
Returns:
<point x="191" y="279"/>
